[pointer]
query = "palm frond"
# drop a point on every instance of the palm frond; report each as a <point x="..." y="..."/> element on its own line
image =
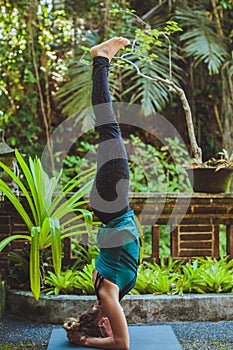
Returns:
<point x="201" y="39"/>
<point x="152" y="95"/>
<point x="75" y="95"/>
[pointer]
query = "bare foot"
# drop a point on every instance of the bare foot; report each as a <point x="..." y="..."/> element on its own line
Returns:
<point x="109" y="48"/>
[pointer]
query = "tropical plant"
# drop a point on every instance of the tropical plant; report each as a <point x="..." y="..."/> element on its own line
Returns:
<point x="163" y="174"/>
<point x="83" y="255"/>
<point x="202" y="275"/>
<point x="201" y="41"/>
<point x="190" y="280"/>
<point x="217" y="274"/>
<point x="85" y="283"/>
<point x="75" y="95"/>
<point x="71" y="281"/>
<point x="49" y="213"/>
<point x="206" y="41"/>
<point x="64" y="283"/>
<point x="157" y="279"/>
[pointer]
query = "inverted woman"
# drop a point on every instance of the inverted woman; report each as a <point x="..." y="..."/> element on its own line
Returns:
<point x="104" y="325"/>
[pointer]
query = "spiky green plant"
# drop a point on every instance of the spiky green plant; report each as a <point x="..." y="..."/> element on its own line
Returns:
<point x="49" y="213"/>
<point x="71" y="282"/>
<point x="217" y="274"/>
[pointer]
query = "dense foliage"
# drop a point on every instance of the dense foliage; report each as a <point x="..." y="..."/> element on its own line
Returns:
<point x="164" y="174"/>
<point x="41" y="47"/>
<point x="204" y="275"/>
<point x="200" y="275"/>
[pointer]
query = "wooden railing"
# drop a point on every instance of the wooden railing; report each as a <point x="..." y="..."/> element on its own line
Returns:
<point x="193" y="221"/>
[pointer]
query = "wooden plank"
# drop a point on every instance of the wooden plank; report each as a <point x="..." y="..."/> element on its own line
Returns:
<point x="213" y="209"/>
<point x="198" y="237"/>
<point x="196" y="245"/>
<point x="19" y="244"/>
<point x="195" y="253"/>
<point x="5" y="230"/>
<point x="196" y="228"/>
<point x="5" y="219"/>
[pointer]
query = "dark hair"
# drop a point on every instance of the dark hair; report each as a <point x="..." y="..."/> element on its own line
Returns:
<point x="88" y="322"/>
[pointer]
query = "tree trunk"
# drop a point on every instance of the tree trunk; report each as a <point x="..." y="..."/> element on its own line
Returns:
<point x="227" y="92"/>
<point x="227" y="111"/>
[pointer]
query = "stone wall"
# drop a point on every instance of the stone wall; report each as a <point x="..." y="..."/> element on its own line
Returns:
<point x="138" y="308"/>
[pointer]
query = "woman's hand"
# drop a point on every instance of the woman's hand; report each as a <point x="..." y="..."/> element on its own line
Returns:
<point x="75" y="337"/>
<point x="105" y="327"/>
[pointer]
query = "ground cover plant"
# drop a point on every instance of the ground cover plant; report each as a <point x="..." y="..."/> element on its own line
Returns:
<point x="201" y="275"/>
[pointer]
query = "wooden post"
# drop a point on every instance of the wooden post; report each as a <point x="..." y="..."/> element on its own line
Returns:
<point x="155" y="242"/>
<point x="216" y="252"/>
<point x="174" y="241"/>
<point x="229" y="232"/>
<point x="67" y="251"/>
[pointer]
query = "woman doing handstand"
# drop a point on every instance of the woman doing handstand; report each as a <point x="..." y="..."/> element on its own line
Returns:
<point x="104" y="325"/>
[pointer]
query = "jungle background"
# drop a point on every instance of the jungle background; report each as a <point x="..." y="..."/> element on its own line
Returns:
<point x="44" y="79"/>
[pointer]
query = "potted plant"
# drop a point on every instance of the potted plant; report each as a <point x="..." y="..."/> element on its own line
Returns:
<point x="214" y="175"/>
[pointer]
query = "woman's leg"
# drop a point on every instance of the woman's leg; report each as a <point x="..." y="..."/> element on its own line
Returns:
<point x="109" y="195"/>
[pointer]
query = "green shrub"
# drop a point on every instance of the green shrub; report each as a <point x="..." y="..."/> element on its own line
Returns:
<point x="83" y="255"/>
<point x="190" y="279"/>
<point x="204" y="275"/>
<point x="217" y="274"/>
<point x="151" y="169"/>
<point x="71" y="281"/>
<point x="158" y="170"/>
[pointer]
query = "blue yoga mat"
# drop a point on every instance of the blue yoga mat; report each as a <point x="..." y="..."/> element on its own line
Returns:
<point x="141" y="337"/>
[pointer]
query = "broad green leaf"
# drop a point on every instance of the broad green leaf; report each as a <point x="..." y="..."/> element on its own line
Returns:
<point x="56" y="244"/>
<point x="35" y="262"/>
<point x="16" y="203"/>
<point x="8" y="240"/>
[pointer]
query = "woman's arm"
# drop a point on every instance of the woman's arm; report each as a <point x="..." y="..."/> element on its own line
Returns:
<point x="109" y="295"/>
